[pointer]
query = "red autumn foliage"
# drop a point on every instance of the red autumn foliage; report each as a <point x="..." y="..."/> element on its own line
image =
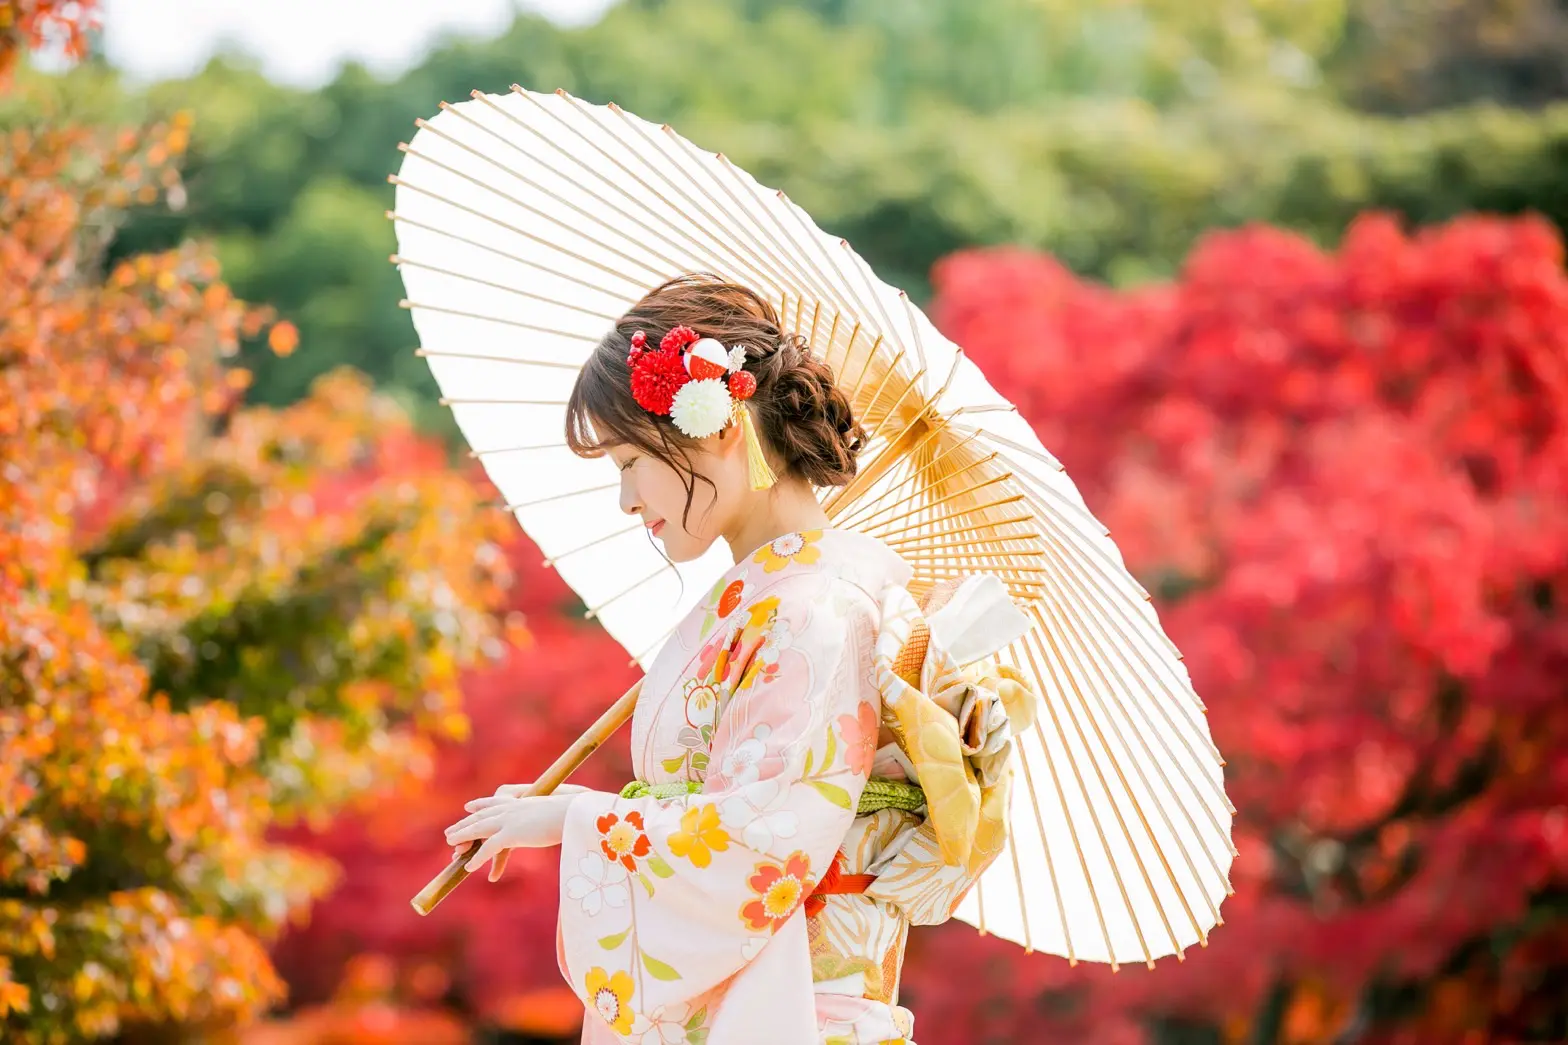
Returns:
<point x="1343" y="475"/>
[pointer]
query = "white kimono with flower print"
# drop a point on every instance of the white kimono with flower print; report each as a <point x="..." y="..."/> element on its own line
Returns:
<point x="681" y="918"/>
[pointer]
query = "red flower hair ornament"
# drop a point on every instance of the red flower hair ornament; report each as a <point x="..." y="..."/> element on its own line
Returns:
<point x="699" y="385"/>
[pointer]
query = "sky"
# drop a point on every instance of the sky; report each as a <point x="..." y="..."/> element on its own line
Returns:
<point x="303" y="42"/>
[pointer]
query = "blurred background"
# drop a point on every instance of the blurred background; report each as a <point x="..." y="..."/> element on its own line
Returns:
<point x="1280" y="281"/>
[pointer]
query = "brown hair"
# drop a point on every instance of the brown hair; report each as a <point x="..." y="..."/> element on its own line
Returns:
<point x="803" y="418"/>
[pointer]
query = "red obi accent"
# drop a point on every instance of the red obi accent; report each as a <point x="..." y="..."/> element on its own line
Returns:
<point x="836" y="882"/>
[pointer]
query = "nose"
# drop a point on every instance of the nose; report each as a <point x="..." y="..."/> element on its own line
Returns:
<point x="630" y="504"/>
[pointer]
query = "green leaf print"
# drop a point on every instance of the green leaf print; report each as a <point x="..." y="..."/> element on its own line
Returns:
<point x="697" y="1018"/>
<point x="657" y="969"/>
<point x="610" y="943"/>
<point x="673" y="765"/>
<point x="832" y="792"/>
<point x="827" y="756"/>
<point x="657" y="865"/>
<point x="645" y="883"/>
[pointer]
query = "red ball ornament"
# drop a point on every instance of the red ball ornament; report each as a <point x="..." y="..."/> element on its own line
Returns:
<point x="704" y="368"/>
<point x="742" y="384"/>
<point x="640" y="340"/>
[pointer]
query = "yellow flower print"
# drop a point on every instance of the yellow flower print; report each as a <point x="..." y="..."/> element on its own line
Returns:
<point x="792" y="547"/>
<point x="611" y="997"/>
<point x="700" y="835"/>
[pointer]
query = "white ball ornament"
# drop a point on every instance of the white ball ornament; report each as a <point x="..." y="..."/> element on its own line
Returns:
<point x="701" y="408"/>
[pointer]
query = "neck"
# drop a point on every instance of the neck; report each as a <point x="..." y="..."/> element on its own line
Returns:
<point x="785" y="507"/>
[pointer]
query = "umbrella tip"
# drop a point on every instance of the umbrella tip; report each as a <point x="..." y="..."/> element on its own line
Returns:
<point x="560" y="92"/>
<point x="612" y="106"/>
<point x="405" y="303"/>
<point x="395" y="259"/>
<point x="422" y="352"/>
<point x="476" y="93"/>
<point x="387" y="214"/>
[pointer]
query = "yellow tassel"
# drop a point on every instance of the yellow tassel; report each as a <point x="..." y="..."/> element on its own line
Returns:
<point x="761" y="475"/>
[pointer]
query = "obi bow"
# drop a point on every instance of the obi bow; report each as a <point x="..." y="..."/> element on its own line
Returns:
<point x="952" y="709"/>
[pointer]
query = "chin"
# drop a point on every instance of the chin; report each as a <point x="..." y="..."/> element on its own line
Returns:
<point x="688" y="549"/>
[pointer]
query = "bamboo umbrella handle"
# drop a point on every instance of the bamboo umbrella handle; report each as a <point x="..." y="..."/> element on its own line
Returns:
<point x="614" y="717"/>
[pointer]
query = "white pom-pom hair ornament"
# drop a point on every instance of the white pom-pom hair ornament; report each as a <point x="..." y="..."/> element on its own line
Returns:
<point x="701" y="408"/>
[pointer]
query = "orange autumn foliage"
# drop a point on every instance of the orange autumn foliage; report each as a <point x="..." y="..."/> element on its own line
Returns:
<point x="213" y="619"/>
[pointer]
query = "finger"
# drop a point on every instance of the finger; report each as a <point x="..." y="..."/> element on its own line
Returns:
<point x="490" y="802"/>
<point x="474" y="818"/>
<point x="498" y="865"/>
<point x="474" y="832"/>
<point x="486" y="851"/>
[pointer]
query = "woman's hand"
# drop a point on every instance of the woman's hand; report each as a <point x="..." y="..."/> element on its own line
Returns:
<point x="510" y="819"/>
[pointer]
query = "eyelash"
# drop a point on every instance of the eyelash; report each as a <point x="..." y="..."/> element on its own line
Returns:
<point x="628" y="464"/>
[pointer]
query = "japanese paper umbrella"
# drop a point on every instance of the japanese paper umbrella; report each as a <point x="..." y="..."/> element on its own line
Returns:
<point x="528" y="223"/>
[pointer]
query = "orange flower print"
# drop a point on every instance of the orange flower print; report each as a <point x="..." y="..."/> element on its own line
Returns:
<point x="623" y="839"/>
<point x="792" y="547"/>
<point x="731" y="598"/>
<point x="860" y="739"/>
<point x="779" y="891"/>
<point x="611" y="997"/>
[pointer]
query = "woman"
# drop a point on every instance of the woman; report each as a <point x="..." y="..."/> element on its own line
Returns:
<point x="737" y="898"/>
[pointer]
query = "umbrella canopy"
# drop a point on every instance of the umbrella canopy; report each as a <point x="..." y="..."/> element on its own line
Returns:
<point x="528" y="223"/>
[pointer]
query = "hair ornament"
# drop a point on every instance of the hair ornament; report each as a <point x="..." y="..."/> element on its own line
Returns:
<point x="699" y="384"/>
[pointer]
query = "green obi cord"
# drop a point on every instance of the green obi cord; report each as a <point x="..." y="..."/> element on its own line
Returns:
<point x="880" y="793"/>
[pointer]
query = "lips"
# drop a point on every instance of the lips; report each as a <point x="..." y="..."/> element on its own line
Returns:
<point x="656" y="527"/>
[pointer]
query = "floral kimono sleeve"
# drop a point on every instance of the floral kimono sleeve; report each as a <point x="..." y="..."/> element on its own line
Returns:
<point x="664" y="899"/>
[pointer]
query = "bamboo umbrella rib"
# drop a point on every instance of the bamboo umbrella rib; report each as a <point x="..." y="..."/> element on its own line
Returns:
<point x="865" y="368"/>
<point x="1134" y="623"/>
<point x="876" y="396"/>
<point x="849" y="347"/>
<point x="712" y="221"/>
<point x="1085" y="655"/>
<point x="965" y="512"/>
<point x="394" y="179"/>
<point x="862" y="270"/>
<point x="812" y="237"/>
<point x="1077" y="663"/>
<point x="865" y="519"/>
<point x="816" y="313"/>
<point x="517" y="505"/>
<point x="398" y="259"/>
<point x="544" y="191"/>
<point x="405" y="303"/>
<point x="497" y="251"/>
<point x="682" y="229"/>
<point x="1105" y="787"/>
<point x="746" y="199"/>
<point x="956" y="494"/>
<point x="1070" y="574"/>
<point x="1181" y="695"/>
<point x="980" y="523"/>
<point x="594" y="611"/>
<point x="477" y="454"/>
<point x="919" y="546"/>
<point x="1050" y="707"/>
<point x="1023" y="902"/>
<point x="827" y="353"/>
<point x="914" y="330"/>
<point x="980" y="905"/>
<point x="501" y="402"/>
<point x="552" y="560"/>
<point x="887" y="415"/>
<point x="705" y="227"/>
<point x="427" y="353"/>
<point x="1039" y="823"/>
<point x="552" y="219"/>
<point x="858" y="511"/>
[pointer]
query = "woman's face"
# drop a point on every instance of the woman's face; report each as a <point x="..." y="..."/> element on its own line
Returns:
<point x="655" y="492"/>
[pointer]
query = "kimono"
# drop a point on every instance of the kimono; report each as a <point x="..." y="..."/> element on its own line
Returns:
<point x="690" y="917"/>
